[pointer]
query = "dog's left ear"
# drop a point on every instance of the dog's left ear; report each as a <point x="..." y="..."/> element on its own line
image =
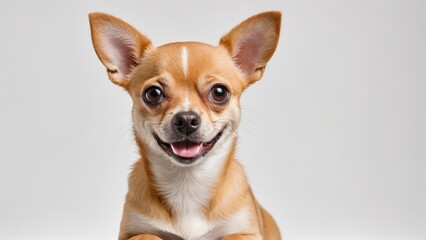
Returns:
<point x="253" y="42"/>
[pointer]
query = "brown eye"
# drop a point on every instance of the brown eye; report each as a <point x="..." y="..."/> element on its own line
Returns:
<point x="153" y="95"/>
<point x="219" y="94"/>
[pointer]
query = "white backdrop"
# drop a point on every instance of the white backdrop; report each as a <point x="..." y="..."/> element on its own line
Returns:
<point x="333" y="137"/>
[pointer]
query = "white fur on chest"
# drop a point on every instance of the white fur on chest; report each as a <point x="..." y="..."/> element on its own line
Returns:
<point x="187" y="191"/>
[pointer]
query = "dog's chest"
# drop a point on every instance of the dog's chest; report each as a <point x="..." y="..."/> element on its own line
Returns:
<point x="187" y="193"/>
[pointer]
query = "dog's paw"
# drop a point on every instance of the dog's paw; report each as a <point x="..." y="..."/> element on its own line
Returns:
<point x="145" y="237"/>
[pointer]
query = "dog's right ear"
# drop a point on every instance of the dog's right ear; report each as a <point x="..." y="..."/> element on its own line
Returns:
<point x="118" y="45"/>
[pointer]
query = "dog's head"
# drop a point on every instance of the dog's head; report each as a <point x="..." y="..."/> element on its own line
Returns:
<point x="185" y="95"/>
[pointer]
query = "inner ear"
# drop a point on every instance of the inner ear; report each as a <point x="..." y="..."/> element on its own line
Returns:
<point x="249" y="51"/>
<point x="123" y="57"/>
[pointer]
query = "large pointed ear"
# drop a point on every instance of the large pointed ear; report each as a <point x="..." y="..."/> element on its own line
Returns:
<point x="118" y="45"/>
<point x="253" y="42"/>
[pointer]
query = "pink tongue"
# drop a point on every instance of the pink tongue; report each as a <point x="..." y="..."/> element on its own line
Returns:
<point x="186" y="150"/>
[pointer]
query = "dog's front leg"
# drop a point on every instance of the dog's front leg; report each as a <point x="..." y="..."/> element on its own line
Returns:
<point x="145" y="237"/>
<point x="242" y="237"/>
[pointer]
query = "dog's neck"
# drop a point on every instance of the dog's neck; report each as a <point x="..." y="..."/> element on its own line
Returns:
<point x="189" y="189"/>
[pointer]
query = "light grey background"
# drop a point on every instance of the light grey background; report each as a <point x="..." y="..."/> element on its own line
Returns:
<point x="333" y="137"/>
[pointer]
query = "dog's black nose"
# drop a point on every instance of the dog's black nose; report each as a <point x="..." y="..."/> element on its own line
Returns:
<point x="186" y="122"/>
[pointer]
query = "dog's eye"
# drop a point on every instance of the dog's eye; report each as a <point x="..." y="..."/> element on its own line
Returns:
<point x="153" y="95"/>
<point x="219" y="94"/>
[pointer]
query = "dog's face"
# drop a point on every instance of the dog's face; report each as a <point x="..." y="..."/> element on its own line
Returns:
<point x="185" y="95"/>
<point x="186" y="99"/>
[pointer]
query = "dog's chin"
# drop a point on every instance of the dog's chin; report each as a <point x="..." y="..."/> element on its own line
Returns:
<point x="187" y="152"/>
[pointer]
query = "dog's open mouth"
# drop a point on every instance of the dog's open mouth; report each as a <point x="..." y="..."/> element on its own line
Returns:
<point x="187" y="151"/>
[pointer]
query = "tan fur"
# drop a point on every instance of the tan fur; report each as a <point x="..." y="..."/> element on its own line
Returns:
<point x="207" y="65"/>
<point x="145" y="237"/>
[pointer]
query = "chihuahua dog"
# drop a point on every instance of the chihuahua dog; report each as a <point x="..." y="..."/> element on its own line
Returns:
<point x="187" y="183"/>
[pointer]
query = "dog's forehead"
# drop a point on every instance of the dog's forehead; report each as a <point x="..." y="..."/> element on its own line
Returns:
<point x="190" y="54"/>
<point x="187" y="61"/>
